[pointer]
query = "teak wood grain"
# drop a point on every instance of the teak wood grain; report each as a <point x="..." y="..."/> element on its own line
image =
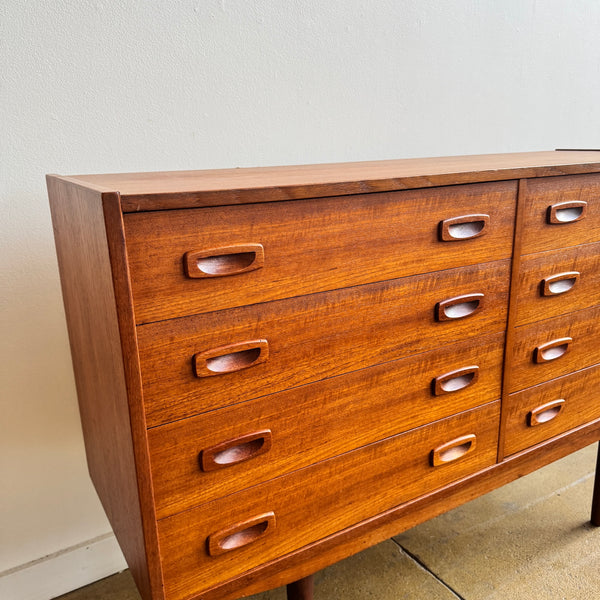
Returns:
<point x="389" y="320"/>
<point x="583" y="327"/>
<point x="317" y="421"/>
<point x="301" y="339"/>
<point x="188" y="189"/>
<point x="533" y="306"/>
<point x="310" y="245"/>
<point x="581" y="394"/>
<point x="314" y="502"/>
<point x="538" y="234"/>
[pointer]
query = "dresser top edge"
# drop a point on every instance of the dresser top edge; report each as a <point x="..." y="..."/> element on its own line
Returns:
<point x="191" y="189"/>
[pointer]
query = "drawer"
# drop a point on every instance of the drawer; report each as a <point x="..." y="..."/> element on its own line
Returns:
<point x="215" y="454"/>
<point x="192" y="261"/>
<point x="219" y="540"/>
<point x="567" y="343"/>
<point x="539" y="413"/>
<point x="556" y="282"/>
<point x="573" y="202"/>
<point x="195" y="364"/>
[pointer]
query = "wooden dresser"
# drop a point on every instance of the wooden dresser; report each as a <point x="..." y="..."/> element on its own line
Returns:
<point x="279" y="367"/>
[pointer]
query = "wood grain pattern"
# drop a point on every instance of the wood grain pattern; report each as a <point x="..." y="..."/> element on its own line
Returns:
<point x="78" y="217"/>
<point x="306" y="425"/>
<point x="186" y="189"/>
<point x="319" y="500"/>
<point x="579" y="390"/>
<point x="388" y="320"/>
<point x="351" y="540"/>
<point x="538" y="234"/>
<point x="310" y="245"/>
<point x="532" y="306"/>
<point x="582" y="326"/>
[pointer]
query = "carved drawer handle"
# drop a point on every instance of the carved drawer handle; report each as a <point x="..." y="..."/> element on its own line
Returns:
<point x="566" y="212"/>
<point x="224" y="261"/>
<point x="241" y="534"/>
<point x="459" y="307"/>
<point x="230" y="358"/>
<point x="466" y="227"/>
<point x="453" y="450"/>
<point x="544" y="413"/>
<point x="235" y="451"/>
<point x="552" y="350"/>
<point x="455" y="381"/>
<point x="559" y="284"/>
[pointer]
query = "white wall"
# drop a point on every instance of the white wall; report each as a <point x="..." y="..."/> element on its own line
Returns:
<point x="101" y="85"/>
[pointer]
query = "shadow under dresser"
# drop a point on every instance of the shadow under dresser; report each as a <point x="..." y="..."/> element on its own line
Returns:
<point x="278" y="367"/>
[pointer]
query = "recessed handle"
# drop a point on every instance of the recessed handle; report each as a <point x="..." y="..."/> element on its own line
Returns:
<point x="552" y="350"/>
<point x="458" y="307"/>
<point x="559" y="284"/>
<point x="230" y="358"/>
<point x="453" y="450"/>
<point x="544" y="413"/>
<point x="224" y="261"/>
<point x="235" y="451"/>
<point x="462" y="228"/>
<point x="241" y="534"/>
<point x="455" y="381"/>
<point x="566" y="212"/>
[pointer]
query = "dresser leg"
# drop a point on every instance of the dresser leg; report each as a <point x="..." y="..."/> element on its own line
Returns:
<point x="303" y="589"/>
<point x="596" y="497"/>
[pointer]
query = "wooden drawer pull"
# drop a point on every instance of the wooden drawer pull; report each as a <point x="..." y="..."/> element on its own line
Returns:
<point x="241" y="534"/>
<point x="451" y="451"/>
<point x="466" y="227"/>
<point x="552" y="350"/>
<point x="544" y="413"/>
<point x="235" y="451"/>
<point x="221" y="262"/>
<point x="566" y="212"/>
<point x="559" y="284"/>
<point x="455" y="381"/>
<point x="459" y="307"/>
<point x="231" y="358"/>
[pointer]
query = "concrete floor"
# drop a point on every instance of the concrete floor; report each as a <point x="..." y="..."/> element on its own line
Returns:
<point x="530" y="540"/>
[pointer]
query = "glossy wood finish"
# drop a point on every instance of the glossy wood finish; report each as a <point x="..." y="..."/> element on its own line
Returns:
<point x="583" y="327"/>
<point x="341" y="242"/>
<point x="318" y="370"/>
<point x="580" y="392"/>
<point x="96" y="310"/>
<point x="303" y="589"/>
<point x="539" y="234"/>
<point x="595" y="516"/>
<point x="394" y="471"/>
<point x="187" y="189"/>
<point x="306" y="426"/>
<point x="533" y="306"/>
<point x="399" y="314"/>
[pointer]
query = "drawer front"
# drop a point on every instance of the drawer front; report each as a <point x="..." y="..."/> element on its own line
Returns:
<point x="554" y="283"/>
<point x="262" y="349"/>
<point x="225" y="538"/>
<point x="539" y="413"/>
<point x="569" y="342"/>
<point x="218" y="453"/>
<point x="193" y="261"/>
<point x="577" y="200"/>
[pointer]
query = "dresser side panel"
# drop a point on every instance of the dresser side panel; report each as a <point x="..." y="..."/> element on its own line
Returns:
<point x="91" y="313"/>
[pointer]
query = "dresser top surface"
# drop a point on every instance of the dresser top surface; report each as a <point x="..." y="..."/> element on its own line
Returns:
<point x="187" y="189"/>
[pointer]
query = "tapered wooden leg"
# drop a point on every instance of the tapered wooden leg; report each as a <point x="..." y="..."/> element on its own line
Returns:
<point x="596" y="497"/>
<point x="303" y="589"/>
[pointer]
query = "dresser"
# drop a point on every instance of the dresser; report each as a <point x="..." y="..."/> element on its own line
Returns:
<point x="279" y="367"/>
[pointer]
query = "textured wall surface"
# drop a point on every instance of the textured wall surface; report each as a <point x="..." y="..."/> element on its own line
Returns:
<point x="99" y="85"/>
